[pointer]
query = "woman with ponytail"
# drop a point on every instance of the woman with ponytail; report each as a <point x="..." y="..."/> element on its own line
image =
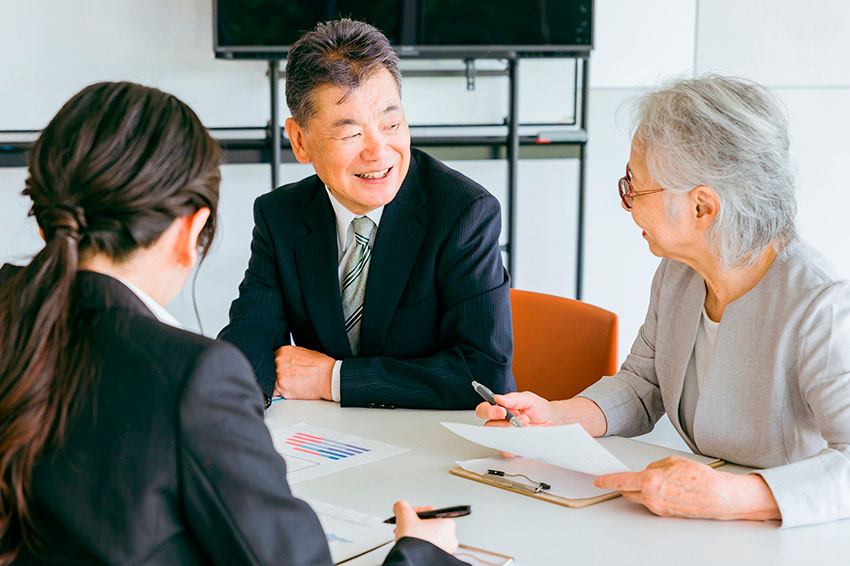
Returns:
<point x="124" y="439"/>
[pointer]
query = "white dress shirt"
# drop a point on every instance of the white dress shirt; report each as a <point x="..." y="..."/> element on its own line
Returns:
<point x="344" y="240"/>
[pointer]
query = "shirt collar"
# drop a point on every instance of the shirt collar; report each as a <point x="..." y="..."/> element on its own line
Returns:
<point x="158" y="310"/>
<point x="345" y="216"/>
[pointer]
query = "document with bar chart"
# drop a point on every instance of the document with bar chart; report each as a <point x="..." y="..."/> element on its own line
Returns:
<point x="311" y="451"/>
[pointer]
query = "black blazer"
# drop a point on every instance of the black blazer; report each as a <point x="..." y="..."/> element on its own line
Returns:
<point x="437" y="309"/>
<point x="169" y="461"/>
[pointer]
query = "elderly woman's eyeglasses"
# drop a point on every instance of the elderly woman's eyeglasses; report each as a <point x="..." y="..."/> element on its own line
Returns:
<point x="627" y="195"/>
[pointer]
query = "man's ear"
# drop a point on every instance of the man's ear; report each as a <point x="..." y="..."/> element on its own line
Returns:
<point x="705" y="206"/>
<point x="297" y="139"/>
<point x="186" y="245"/>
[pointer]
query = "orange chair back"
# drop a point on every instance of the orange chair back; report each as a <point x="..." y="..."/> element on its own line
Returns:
<point x="561" y="346"/>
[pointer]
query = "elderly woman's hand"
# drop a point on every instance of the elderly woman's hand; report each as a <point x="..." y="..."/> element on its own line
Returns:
<point x="529" y="408"/>
<point x="678" y="487"/>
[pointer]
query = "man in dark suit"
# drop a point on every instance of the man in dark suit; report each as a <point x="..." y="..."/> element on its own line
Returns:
<point x="435" y="314"/>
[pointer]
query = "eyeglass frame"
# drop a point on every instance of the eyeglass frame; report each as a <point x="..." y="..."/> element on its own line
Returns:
<point x="627" y="195"/>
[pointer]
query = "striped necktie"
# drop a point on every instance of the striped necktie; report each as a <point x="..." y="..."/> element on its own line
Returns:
<point x="354" y="283"/>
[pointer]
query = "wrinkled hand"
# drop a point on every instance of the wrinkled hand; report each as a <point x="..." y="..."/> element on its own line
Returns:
<point x="529" y="408"/>
<point x="678" y="487"/>
<point x="302" y="373"/>
<point x="439" y="532"/>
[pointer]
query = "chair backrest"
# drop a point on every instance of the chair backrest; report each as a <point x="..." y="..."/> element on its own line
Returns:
<point x="561" y="346"/>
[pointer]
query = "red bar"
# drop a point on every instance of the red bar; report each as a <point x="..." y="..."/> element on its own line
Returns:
<point x="309" y="452"/>
<point x="310" y="436"/>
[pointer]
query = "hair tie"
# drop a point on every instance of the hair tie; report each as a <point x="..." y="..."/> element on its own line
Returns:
<point x="70" y="220"/>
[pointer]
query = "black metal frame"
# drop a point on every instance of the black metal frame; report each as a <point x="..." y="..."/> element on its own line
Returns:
<point x="269" y="147"/>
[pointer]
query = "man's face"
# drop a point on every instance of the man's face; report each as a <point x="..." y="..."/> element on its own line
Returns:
<point x="359" y="144"/>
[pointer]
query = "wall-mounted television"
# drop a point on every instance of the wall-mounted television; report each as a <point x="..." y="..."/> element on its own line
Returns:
<point x="265" y="29"/>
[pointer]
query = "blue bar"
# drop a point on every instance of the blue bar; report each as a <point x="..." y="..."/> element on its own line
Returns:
<point x="324" y="449"/>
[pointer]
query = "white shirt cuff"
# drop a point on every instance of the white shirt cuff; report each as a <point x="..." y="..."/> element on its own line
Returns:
<point x="335" y="380"/>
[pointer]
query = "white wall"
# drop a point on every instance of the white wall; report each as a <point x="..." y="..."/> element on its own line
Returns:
<point x="798" y="49"/>
<point x="54" y="47"/>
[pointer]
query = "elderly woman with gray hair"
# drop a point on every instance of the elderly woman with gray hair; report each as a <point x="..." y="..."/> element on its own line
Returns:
<point x="746" y="343"/>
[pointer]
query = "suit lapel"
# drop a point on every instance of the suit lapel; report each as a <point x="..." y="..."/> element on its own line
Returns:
<point x="399" y="239"/>
<point x="316" y="257"/>
<point x="684" y="328"/>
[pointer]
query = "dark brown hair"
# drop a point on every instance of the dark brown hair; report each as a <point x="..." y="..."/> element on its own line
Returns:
<point x="108" y="175"/>
<point x="342" y="53"/>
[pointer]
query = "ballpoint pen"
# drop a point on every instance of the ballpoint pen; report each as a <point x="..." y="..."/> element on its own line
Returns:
<point x="488" y="396"/>
<point x="443" y="513"/>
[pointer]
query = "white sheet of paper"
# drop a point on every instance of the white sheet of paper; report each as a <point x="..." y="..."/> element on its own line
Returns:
<point x="350" y="533"/>
<point x="637" y="455"/>
<point x="311" y="451"/>
<point x="568" y="446"/>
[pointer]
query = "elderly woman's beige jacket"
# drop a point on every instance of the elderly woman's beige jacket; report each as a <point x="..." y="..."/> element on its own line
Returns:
<point x="777" y="390"/>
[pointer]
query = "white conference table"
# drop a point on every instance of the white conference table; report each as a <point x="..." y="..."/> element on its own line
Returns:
<point x="535" y="532"/>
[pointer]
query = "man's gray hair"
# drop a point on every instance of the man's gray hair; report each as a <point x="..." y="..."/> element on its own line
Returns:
<point x="731" y="135"/>
<point x="342" y="53"/>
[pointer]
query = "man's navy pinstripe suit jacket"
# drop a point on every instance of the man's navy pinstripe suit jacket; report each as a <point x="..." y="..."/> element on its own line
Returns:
<point x="437" y="309"/>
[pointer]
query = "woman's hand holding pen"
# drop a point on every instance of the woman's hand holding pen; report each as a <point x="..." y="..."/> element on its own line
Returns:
<point x="533" y="410"/>
<point x="439" y="532"/>
<point x="529" y="408"/>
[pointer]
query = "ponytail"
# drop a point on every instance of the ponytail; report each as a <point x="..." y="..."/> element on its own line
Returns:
<point x="42" y="373"/>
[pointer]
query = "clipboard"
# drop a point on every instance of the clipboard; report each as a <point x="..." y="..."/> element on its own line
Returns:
<point x="515" y="486"/>
<point x="480" y="557"/>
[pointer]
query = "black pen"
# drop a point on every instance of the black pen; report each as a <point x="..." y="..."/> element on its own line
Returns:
<point x="444" y="513"/>
<point x="488" y="396"/>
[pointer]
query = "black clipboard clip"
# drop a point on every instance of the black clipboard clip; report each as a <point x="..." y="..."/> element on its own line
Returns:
<point x="535" y="487"/>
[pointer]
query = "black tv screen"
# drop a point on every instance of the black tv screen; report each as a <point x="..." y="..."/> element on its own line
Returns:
<point x="478" y="28"/>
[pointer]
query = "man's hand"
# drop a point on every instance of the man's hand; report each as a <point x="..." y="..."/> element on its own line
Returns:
<point x="678" y="487"/>
<point x="302" y="373"/>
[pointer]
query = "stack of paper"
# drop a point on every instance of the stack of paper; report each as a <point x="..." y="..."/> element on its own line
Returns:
<point x="567" y="446"/>
<point x="350" y="533"/>
<point x="565" y="457"/>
